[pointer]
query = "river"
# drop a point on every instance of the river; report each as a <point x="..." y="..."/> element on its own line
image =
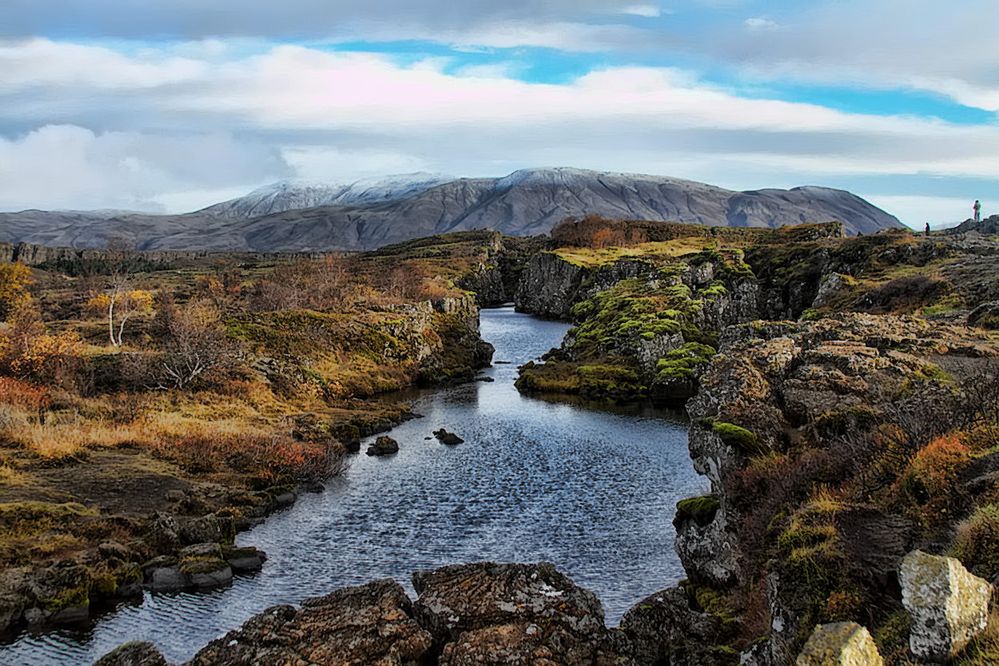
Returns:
<point x="591" y="491"/>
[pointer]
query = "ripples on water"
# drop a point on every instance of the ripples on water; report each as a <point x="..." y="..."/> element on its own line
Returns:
<point x="591" y="491"/>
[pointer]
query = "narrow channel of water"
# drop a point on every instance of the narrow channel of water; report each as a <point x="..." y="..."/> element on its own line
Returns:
<point x="591" y="491"/>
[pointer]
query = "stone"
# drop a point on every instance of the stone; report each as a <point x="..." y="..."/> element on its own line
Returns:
<point x="207" y="529"/>
<point x="212" y="550"/>
<point x="113" y="550"/>
<point x="840" y="644"/>
<point x="245" y="560"/>
<point x="133" y="654"/>
<point x="369" y="624"/>
<point x="284" y="500"/>
<point x="166" y="579"/>
<point x="383" y="446"/>
<point x="512" y="613"/>
<point x="448" y="438"/>
<point x="709" y="553"/>
<point x="206" y="571"/>
<point x="175" y="495"/>
<point x="949" y="606"/>
<point x="664" y="627"/>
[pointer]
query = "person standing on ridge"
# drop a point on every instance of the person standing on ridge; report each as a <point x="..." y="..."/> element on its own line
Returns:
<point x="927" y="229"/>
<point x="978" y="210"/>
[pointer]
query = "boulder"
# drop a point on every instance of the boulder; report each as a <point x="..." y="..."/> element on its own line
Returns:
<point x="383" y="446"/>
<point x="513" y="613"/>
<point x="244" y="560"/>
<point x="370" y="624"/>
<point x="133" y="654"/>
<point x="840" y="644"/>
<point x="448" y="438"/>
<point x="208" y="529"/>
<point x="664" y="628"/>
<point x="61" y="594"/>
<point x="206" y="572"/>
<point x="707" y="548"/>
<point x="949" y="606"/>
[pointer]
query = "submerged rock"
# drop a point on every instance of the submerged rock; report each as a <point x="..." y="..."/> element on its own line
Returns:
<point x="840" y="644"/>
<point x="383" y="446"/>
<point x="133" y="654"/>
<point x="370" y="624"/>
<point x="448" y="438"/>
<point x="949" y="606"/>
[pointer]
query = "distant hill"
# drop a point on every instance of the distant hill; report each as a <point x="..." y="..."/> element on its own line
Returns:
<point x="376" y="212"/>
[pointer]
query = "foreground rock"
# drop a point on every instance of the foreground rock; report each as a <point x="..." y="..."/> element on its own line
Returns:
<point x="512" y="614"/>
<point x="383" y="446"/>
<point x="370" y="624"/>
<point x="665" y="629"/>
<point x="840" y="644"/>
<point x="133" y="654"/>
<point x="949" y="606"/>
<point x="466" y="614"/>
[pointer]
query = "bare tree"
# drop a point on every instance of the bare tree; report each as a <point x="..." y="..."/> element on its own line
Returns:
<point x="196" y="346"/>
<point x="120" y="300"/>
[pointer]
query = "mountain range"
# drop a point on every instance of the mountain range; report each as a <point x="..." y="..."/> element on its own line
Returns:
<point x="295" y="216"/>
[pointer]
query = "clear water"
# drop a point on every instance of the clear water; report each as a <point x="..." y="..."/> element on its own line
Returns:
<point x="591" y="491"/>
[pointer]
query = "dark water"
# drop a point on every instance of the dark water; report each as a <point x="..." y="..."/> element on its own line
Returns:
<point x="591" y="491"/>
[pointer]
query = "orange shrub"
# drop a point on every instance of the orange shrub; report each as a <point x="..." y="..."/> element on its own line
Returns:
<point x="930" y="487"/>
<point x="23" y="395"/>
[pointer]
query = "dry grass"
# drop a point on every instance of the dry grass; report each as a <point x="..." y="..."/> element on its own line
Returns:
<point x="590" y="258"/>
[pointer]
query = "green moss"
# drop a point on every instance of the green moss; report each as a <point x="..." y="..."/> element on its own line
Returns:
<point x="737" y="437"/>
<point x="72" y="597"/>
<point x="701" y="510"/>
<point x="683" y="363"/>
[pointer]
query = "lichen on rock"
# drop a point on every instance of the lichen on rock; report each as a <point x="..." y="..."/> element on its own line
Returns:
<point x="949" y="606"/>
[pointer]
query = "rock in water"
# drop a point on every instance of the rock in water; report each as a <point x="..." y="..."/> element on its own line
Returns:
<point x="383" y="446"/>
<point x="448" y="438"/>
<point x="370" y="624"/>
<point x="133" y="654"/>
<point x="513" y="614"/>
<point x="840" y="644"/>
<point x="949" y="606"/>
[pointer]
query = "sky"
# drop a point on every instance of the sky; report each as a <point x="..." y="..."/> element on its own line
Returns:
<point x="171" y="105"/>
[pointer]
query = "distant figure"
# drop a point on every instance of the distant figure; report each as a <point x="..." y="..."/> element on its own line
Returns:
<point x="927" y="228"/>
<point x="978" y="211"/>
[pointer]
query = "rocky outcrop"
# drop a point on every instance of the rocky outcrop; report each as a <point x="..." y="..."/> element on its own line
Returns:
<point x="985" y="315"/>
<point x="949" y="606"/>
<point x="780" y="390"/>
<point x="840" y="644"/>
<point x="133" y="654"/>
<point x="370" y="624"/>
<point x="466" y="614"/>
<point x="665" y="629"/>
<point x="511" y="613"/>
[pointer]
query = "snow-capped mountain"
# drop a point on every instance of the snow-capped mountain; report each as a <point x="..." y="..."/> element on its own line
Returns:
<point x="297" y="194"/>
<point x="375" y="212"/>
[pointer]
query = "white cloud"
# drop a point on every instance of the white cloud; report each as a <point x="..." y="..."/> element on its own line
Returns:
<point x="64" y="166"/>
<point x="214" y="120"/>
<point x="760" y="24"/>
<point x="645" y="11"/>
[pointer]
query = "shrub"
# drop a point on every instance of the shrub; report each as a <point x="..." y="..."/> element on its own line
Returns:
<point x="14" y="281"/>
<point x="976" y="542"/>
<point x="684" y="362"/>
<point x="930" y="486"/>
